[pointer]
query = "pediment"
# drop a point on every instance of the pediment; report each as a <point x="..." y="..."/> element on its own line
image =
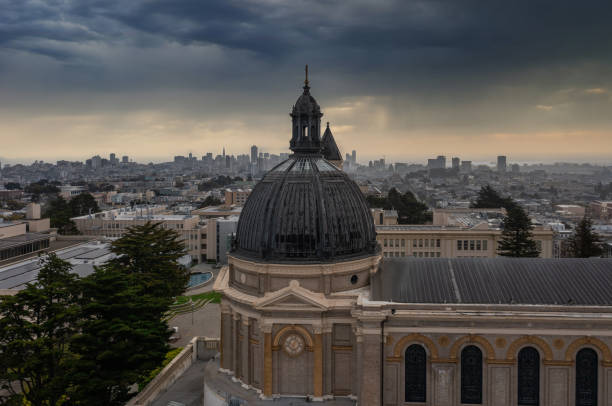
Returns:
<point x="293" y="298"/>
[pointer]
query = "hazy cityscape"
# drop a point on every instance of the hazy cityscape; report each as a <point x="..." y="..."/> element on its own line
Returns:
<point x="269" y="202"/>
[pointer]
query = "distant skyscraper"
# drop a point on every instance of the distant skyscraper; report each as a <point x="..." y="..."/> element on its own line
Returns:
<point x="223" y="152"/>
<point x="456" y="162"/>
<point x="501" y="164"/>
<point x="441" y="161"/>
<point x="96" y="162"/>
<point x="254" y="154"/>
<point x="113" y="159"/>
<point x="125" y="159"/>
<point x="466" y="166"/>
<point x="515" y="168"/>
<point x="354" y="157"/>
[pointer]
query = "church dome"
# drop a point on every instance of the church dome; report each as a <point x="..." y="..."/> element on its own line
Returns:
<point x="305" y="209"/>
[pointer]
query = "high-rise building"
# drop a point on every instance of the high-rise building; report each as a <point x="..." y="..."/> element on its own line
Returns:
<point x="438" y="163"/>
<point x="516" y="168"/>
<point x="253" y="154"/>
<point x="96" y="162"/>
<point x="441" y="161"/>
<point x="466" y="166"/>
<point x="456" y="162"/>
<point x="125" y="159"/>
<point x="354" y="157"/>
<point x="501" y="164"/>
<point x="113" y="159"/>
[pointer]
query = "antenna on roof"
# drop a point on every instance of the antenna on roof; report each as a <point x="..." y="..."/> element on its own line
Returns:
<point x="306" y="80"/>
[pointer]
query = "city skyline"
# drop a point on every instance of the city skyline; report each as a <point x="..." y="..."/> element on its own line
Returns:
<point x="399" y="79"/>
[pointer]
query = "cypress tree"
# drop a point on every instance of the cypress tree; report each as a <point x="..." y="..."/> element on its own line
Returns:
<point x="585" y="242"/>
<point x="517" y="239"/>
<point x="35" y="327"/>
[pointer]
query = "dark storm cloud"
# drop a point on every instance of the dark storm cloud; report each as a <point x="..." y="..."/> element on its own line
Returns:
<point x="390" y="66"/>
<point x="425" y="38"/>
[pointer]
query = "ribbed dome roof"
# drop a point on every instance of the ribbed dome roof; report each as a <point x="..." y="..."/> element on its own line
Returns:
<point x="305" y="209"/>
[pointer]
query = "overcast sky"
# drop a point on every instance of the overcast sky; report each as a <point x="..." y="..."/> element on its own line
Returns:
<point x="403" y="79"/>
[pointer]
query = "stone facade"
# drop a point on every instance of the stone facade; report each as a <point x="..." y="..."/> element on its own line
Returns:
<point x="306" y="330"/>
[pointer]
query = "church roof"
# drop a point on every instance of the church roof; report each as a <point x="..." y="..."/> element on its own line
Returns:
<point x="329" y="149"/>
<point x="534" y="281"/>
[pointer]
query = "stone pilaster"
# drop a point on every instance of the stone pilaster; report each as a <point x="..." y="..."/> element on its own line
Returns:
<point x="226" y="340"/>
<point x="244" y="351"/>
<point x="235" y="342"/>
<point x="371" y="356"/>
<point x="267" y="371"/>
<point x="318" y="363"/>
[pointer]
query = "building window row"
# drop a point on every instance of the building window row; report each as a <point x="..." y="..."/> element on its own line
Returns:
<point x="472" y="245"/>
<point x="527" y="383"/>
<point x="416" y="243"/>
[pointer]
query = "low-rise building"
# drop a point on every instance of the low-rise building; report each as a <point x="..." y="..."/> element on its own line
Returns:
<point x="601" y="210"/>
<point x="236" y="197"/>
<point x="16" y="241"/>
<point x="456" y="233"/>
<point x="114" y="223"/>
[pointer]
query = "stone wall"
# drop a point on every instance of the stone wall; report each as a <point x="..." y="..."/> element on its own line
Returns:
<point x="202" y="348"/>
<point x="500" y="370"/>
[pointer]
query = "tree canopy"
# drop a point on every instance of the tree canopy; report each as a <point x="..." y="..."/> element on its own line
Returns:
<point x="489" y="198"/>
<point x="61" y="211"/>
<point x="409" y="209"/>
<point x="35" y="330"/>
<point x="70" y="341"/>
<point x="584" y="243"/>
<point x="517" y="238"/>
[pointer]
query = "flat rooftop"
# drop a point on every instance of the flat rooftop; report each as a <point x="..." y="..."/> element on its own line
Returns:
<point x="82" y="257"/>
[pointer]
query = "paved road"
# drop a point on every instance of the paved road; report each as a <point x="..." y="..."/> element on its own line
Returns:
<point x="205" y="321"/>
<point x="188" y="389"/>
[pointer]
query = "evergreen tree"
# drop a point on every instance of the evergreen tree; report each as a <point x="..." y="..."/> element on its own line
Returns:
<point x="35" y="327"/>
<point x="123" y="334"/>
<point x="152" y="252"/>
<point x="59" y="212"/>
<point x="122" y="337"/>
<point x="409" y="209"/>
<point x="585" y="242"/>
<point x="489" y="198"/>
<point x="517" y="239"/>
<point x="82" y="204"/>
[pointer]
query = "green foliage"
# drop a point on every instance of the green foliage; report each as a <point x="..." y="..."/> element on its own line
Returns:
<point x="210" y="201"/>
<point x="12" y="186"/>
<point x="585" y="242"/>
<point x="35" y="328"/>
<point x="14" y="205"/>
<point x="123" y="333"/>
<point x="42" y="187"/>
<point x="215" y="183"/>
<point x="170" y="355"/>
<point x="151" y="252"/>
<point x="517" y="239"/>
<point x="488" y="198"/>
<point x="59" y="212"/>
<point x="409" y="209"/>
<point x="82" y="204"/>
<point x="122" y="337"/>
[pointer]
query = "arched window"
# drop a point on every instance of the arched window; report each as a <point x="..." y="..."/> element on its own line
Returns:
<point x="416" y="374"/>
<point x="471" y="375"/>
<point x="529" y="377"/>
<point x="586" y="377"/>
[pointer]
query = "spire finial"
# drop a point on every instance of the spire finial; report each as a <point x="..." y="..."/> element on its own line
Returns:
<point x="306" y="80"/>
<point x="328" y="124"/>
